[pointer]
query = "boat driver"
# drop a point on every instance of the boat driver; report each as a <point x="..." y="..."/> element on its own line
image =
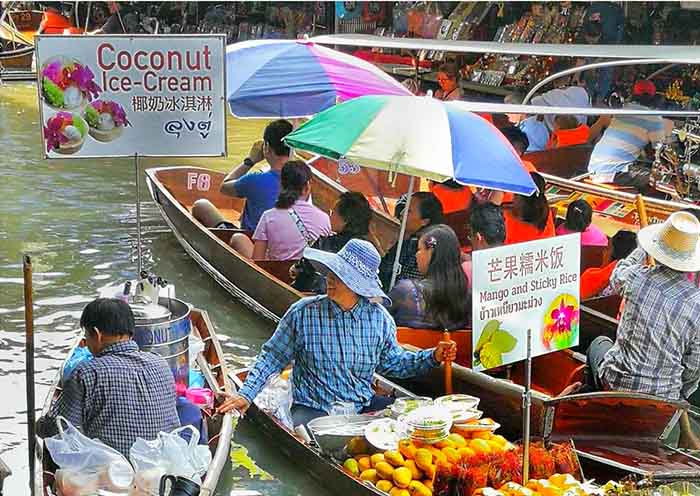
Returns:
<point x="121" y="394"/>
<point x="260" y="189"/>
<point x="337" y="341"/>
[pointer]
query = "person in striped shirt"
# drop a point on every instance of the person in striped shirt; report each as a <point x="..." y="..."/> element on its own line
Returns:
<point x="615" y="157"/>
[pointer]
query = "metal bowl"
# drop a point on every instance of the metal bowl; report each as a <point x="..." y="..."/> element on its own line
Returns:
<point x="339" y="435"/>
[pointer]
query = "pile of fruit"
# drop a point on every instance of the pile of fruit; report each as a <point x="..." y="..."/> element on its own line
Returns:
<point x="556" y="485"/>
<point x="411" y="469"/>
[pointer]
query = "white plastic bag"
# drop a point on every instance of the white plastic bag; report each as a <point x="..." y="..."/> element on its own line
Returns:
<point x="196" y="346"/>
<point x="77" y="454"/>
<point x="276" y="398"/>
<point x="171" y="454"/>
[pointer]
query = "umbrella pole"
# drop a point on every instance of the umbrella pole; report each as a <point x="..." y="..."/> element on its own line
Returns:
<point x="397" y="264"/>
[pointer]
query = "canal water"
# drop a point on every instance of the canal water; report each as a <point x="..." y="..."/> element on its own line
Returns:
<point x="77" y="220"/>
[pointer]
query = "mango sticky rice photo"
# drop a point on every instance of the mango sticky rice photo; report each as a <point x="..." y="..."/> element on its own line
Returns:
<point x="65" y="133"/>
<point x="66" y="84"/>
<point x="107" y="120"/>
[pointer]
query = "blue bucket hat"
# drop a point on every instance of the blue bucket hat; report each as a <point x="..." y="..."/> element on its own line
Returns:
<point x="356" y="264"/>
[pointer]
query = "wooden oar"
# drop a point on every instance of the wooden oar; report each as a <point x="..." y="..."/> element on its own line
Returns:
<point x="643" y="219"/>
<point x="448" y="366"/>
<point x="29" y="349"/>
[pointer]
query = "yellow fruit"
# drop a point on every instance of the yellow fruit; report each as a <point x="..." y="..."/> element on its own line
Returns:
<point x="370" y="475"/>
<point x="563" y="481"/>
<point x="458" y="440"/>
<point x="351" y="467"/>
<point x="424" y="458"/>
<point x="384" y="485"/>
<point x="438" y="456"/>
<point x="357" y="445"/>
<point x="384" y="470"/>
<point x="364" y="463"/>
<point x="480" y="446"/>
<point x="486" y="435"/>
<point x="394" y="457"/>
<point x="376" y="458"/>
<point x="495" y="447"/>
<point x="415" y="472"/>
<point x="428" y="483"/>
<point x="430" y="471"/>
<point x="397" y="491"/>
<point x="363" y="455"/>
<point x="451" y="454"/>
<point x="465" y="452"/>
<point x="551" y="490"/>
<point x="499" y="439"/>
<point x="445" y="443"/>
<point x="416" y="488"/>
<point x="402" y="477"/>
<point x="407" y="449"/>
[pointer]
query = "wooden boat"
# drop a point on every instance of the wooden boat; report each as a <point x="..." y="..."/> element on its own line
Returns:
<point x="220" y="427"/>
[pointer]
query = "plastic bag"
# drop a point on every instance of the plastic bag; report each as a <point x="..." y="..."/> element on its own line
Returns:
<point x="276" y="398"/>
<point x="79" y="456"/>
<point x="196" y="346"/>
<point x="80" y="355"/>
<point x="431" y="21"/>
<point x="172" y="454"/>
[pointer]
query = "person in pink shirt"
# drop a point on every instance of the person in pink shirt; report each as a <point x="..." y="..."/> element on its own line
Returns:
<point x="284" y="231"/>
<point x="578" y="219"/>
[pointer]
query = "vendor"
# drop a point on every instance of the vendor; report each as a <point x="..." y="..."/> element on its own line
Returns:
<point x="121" y="394"/>
<point x="337" y="341"/>
<point x="448" y="79"/>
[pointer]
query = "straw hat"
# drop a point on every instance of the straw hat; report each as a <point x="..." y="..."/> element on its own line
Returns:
<point x="675" y="243"/>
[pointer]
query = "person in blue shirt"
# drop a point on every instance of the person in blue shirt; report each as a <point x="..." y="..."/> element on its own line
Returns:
<point x="260" y="189"/>
<point x="337" y="341"/>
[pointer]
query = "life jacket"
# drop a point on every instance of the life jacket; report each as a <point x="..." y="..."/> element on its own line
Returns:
<point x="518" y="231"/>
<point x="595" y="279"/>
<point x="569" y="137"/>
<point x="452" y="199"/>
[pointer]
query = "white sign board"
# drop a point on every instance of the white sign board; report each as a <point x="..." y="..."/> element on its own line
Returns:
<point x="126" y="95"/>
<point x="523" y="286"/>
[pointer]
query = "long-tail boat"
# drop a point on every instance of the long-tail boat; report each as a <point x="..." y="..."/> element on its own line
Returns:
<point x="220" y="427"/>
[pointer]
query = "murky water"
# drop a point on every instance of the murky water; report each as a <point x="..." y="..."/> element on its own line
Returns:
<point x="77" y="219"/>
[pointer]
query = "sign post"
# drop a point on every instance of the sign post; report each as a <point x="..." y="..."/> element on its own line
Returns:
<point x="525" y="303"/>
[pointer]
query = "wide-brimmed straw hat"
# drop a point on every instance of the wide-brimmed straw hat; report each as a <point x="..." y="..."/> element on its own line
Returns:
<point x="675" y="243"/>
<point x="356" y="264"/>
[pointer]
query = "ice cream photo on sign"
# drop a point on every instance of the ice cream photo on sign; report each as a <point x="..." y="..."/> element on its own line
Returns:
<point x="65" y="133"/>
<point x="107" y="119"/>
<point x="67" y="84"/>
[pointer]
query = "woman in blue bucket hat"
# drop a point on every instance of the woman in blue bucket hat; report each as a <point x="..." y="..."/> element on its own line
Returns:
<point x="337" y="341"/>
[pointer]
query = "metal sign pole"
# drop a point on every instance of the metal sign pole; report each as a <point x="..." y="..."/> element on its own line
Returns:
<point x="527" y="401"/>
<point x="138" y="216"/>
<point x="29" y="349"/>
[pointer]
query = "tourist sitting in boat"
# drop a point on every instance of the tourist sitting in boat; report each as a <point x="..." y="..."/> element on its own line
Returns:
<point x="260" y="189"/>
<point x="657" y="350"/>
<point x="453" y="196"/>
<point x="520" y="143"/>
<point x="568" y="132"/>
<point x="530" y="217"/>
<point x="448" y="80"/>
<point x="488" y="230"/>
<point x="425" y="211"/>
<point x="284" y="231"/>
<point x="350" y="219"/>
<point x="579" y="217"/>
<point x="595" y="281"/>
<point x="122" y="393"/>
<point x="615" y="158"/>
<point x="441" y="299"/>
<point x="337" y="341"/>
<point x="533" y="126"/>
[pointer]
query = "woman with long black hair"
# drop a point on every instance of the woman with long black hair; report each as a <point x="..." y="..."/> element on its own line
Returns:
<point x="284" y="231"/>
<point x="530" y="218"/>
<point x="441" y="299"/>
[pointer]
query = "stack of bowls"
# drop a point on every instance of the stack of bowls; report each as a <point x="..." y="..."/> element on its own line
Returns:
<point x="428" y="424"/>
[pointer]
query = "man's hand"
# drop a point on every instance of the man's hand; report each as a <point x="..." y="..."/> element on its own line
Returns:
<point x="256" y="152"/>
<point x="233" y="402"/>
<point x="445" y="351"/>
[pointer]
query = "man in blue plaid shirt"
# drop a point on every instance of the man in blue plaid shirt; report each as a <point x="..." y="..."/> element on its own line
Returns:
<point x="337" y="341"/>
<point x="122" y="393"/>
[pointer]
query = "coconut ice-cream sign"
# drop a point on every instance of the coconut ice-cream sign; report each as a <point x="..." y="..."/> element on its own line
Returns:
<point x="129" y="95"/>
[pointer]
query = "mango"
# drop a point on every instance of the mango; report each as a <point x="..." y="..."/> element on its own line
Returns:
<point x="458" y="440"/>
<point x="357" y="445"/>
<point x="428" y="483"/>
<point x="384" y="470"/>
<point x="397" y="491"/>
<point x="363" y="455"/>
<point x="394" y="457"/>
<point x="364" y="463"/>
<point x="495" y="447"/>
<point x="376" y="458"/>
<point x="430" y="471"/>
<point x="480" y="446"/>
<point x="416" y="488"/>
<point x="351" y="466"/>
<point x="384" y="485"/>
<point x="438" y="456"/>
<point x="445" y="443"/>
<point x="402" y="477"/>
<point x="415" y="472"/>
<point x="451" y="454"/>
<point x="465" y="453"/>
<point x="370" y="475"/>
<point x="407" y="449"/>
<point x="485" y="435"/>
<point x="424" y="458"/>
<point x="499" y="440"/>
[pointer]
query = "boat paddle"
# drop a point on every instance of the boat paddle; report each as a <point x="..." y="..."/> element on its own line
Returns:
<point x="29" y="349"/>
<point x="448" y="365"/>
<point x="643" y="219"/>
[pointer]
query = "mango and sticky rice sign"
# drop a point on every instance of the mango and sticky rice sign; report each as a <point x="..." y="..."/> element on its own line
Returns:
<point x="532" y="285"/>
<point x="126" y="95"/>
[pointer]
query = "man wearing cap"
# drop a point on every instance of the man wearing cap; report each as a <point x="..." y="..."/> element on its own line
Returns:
<point x="615" y="156"/>
<point x="657" y="349"/>
<point x="337" y="341"/>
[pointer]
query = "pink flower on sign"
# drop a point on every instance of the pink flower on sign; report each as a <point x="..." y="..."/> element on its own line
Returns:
<point x="53" y="71"/>
<point x="563" y="316"/>
<point x="85" y="79"/>
<point x="114" y="109"/>
<point x="53" y="131"/>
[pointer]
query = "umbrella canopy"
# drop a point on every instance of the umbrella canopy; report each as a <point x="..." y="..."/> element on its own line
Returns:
<point x="297" y="78"/>
<point x="418" y="136"/>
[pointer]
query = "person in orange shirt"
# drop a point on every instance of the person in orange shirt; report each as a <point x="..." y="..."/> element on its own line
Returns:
<point x="568" y="132"/>
<point x="530" y="217"/>
<point x="519" y="142"/>
<point x="595" y="280"/>
<point x="454" y="197"/>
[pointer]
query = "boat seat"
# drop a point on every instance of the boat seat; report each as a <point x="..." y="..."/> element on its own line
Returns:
<point x="225" y="234"/>
<point x="277" y="268"/>
<point x="607" y="305"/>
<point x="593" y="256"/>
<point x="429" y="338"/>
